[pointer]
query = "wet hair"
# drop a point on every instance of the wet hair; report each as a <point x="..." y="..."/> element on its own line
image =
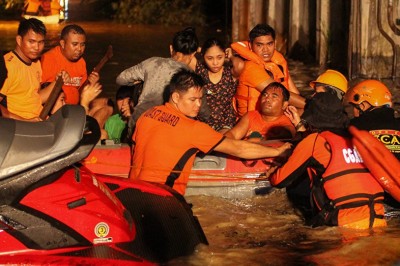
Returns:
<point x="211" y="43"/>
<point x="31" y="24"/>
<point x="261" y="30"/>
<point x="277" y="85"/>
<point x="185" y="41"/>
<point x="183" y="80"/>
<point x="325" y="111"/>
<point x="124" y="92"/>
<point x="72" y="28"/>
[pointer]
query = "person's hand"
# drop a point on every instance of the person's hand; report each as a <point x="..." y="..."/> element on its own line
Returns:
<point x="65" y="76"/>
<point x="292" y="113"/>
<point x="285" y="150"/>
<point x="89" y="93"/>
<point x="228" y="53"/>
<point x="126" y="108"/>
<point x="94" y="77"/>
<point x="271" y="170"/>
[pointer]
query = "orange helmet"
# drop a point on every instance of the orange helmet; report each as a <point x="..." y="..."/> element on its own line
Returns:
<point x="332" y="78"/>
<point x="372" y="91"/>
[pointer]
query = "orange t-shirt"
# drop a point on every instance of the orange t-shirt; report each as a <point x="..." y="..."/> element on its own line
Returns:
<point x="279" y="128"/>
<point x="21" y="86"/>
<point x="166" y="142"/>
<point x="53" y="61"/>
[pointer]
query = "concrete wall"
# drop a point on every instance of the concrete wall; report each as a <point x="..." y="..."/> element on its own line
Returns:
<point x="340" y="34"/>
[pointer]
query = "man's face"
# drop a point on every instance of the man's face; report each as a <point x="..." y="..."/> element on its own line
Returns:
<point x="189" y="102"/>
<point x="73" y="46"/>
<point x="31" y="45"/>
<point x="264" y="47"/>
<point x="272" y="102"/>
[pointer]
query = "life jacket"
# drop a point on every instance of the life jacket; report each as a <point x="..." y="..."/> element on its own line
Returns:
<point x="345" y="188"/>
<point x="277" y="68"/>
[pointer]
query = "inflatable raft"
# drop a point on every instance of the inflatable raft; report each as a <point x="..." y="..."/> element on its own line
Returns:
<point x="214" y="174"/>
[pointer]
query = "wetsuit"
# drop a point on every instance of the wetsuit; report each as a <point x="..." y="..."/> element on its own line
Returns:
<point x="344" y="193"/>
<point x="382" y="123"/>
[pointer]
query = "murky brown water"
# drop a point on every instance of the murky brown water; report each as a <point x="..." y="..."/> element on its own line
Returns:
<point x="262" y="230"/>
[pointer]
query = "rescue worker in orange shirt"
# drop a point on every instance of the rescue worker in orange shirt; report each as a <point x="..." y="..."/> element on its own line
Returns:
<point x="269" y="122"/>
<point x="330" y="81"/>
<point x="167" y="137"/>
<point x="262" y="65"/>
<point x="334" y="83"/>
<point x="372" y="108"/>
<point x="343" y="192"/>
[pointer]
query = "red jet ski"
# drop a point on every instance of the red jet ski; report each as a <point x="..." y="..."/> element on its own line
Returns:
<point x="55" y="211"/>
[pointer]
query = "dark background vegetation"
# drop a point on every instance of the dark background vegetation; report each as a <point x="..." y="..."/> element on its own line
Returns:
<point x="215" y="13"/>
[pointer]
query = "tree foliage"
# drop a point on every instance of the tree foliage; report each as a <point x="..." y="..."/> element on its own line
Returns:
<point x="171" y="12"/>
<point x="11" y="7"/>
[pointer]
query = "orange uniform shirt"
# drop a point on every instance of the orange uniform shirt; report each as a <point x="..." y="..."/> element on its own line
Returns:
<point x="22" y="86"/>
<point x="280" y="128"/>
<point x="53" y="62"/>
<point x="166" y="142"/>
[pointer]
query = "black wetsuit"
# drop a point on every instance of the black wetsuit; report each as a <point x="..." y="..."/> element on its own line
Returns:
<point x="382" y="123"/>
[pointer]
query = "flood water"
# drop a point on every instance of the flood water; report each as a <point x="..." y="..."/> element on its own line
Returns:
<point x="261" y="230"/>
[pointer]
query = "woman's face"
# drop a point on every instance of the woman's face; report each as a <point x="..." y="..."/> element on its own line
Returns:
<point x="214" y="58"/>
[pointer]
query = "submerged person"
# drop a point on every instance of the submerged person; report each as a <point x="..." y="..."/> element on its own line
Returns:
<point x="176" y="136"/>
<point x="330" y="81"/>
<point x="372" y="108"/>
<point x="220" y="85"/>
<point x="343" y="191"/>
<point x="269" y="122"/>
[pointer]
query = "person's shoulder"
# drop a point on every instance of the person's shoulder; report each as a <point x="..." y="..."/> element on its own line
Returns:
<point x="12" y="61"/>
<point x="252" y="113"/>
<point x="278" y="58"/>
<point x="51" y="55"/>
<point x="155" y="59"/>
<point x="160" y="62"/>
<point x="9" y="56"/>
<point x="250" y="66"/>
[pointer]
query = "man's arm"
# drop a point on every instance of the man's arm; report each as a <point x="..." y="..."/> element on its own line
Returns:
<point x="248" y="150"/>
<point x="237" y="62"/>
<point x="295" y="99"/>
<point x="239" y="131"/>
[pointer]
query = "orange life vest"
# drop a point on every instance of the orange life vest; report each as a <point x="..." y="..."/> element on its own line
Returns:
<point x="277" y="68"/>
<point x="347" y="193"/>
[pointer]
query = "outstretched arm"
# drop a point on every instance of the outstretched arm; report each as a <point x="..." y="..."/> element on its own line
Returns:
<point x="248" y="150"/>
